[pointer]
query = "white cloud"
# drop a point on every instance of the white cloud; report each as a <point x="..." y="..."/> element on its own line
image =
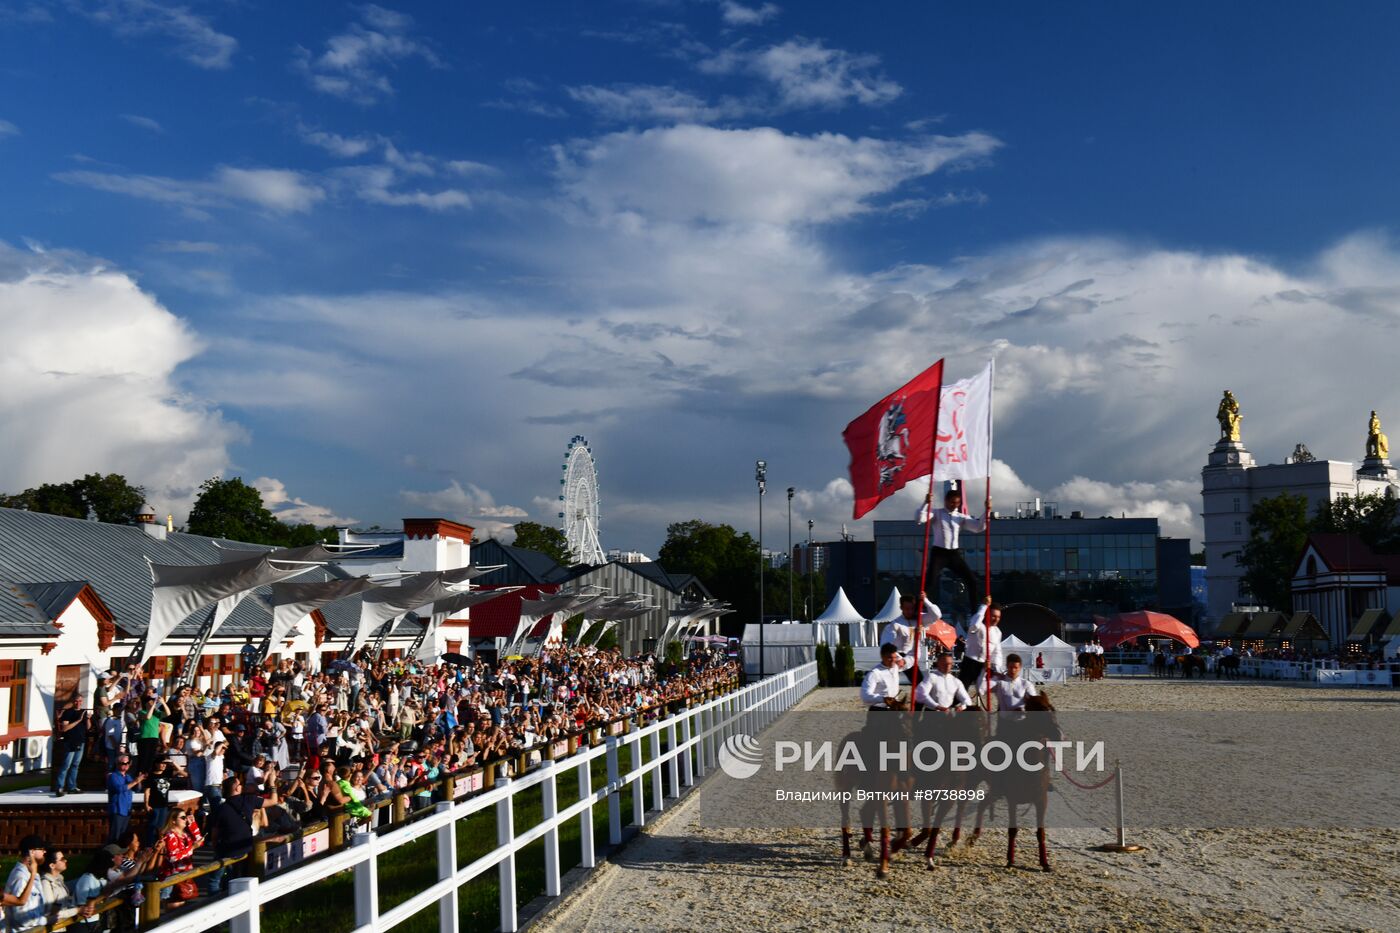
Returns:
<point x="346" y="147"/>
<point x="355" y="62"/>
<point x="1173" y="502"/>
<point x="806" y="73"/>
<point x="188" y="246"/>
<point x="737" y="14"/>
<point x="194" y="38"/>
<point x="697" y="174"/>
<point x="8" y="129"/>
<point x="470" y="504"/>
<point x="145" y="123"/>
<point x="88" y="378"/>
<point x="377" y="184"/>
<point x="292" y="510"/>
<point x="648" y="103"/>
<point x="277" y="190"/>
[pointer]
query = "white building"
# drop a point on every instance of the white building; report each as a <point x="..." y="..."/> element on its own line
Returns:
<point x="1232" y="482"/>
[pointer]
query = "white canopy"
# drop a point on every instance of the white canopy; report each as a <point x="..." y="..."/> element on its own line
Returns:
<point x="840" y="610"/>
<point x="891" y="610"/>
<point x="1058" y="654"/>
<point x="1012" y="643"/>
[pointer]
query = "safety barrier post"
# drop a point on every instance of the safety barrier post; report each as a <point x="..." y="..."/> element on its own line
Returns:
<point x="674" y="765"/>
<point x="366" y="881"/>
<point x="587" y="858"/>
<point x="639" y="808"/>
<point x="447" y="867"/>
<point x="550" y="809"/>
<point x="614" y="795"/>
<point x="688" y="762"/>
<point x="505" y="835"/>
<point x="250" y="921"/>
<point x="657" y="772"/>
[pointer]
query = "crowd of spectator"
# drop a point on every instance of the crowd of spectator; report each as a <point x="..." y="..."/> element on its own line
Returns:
<point x="286" y="748"/>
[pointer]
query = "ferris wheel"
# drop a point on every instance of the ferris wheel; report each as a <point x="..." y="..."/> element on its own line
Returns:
<point x="578" y="502"/>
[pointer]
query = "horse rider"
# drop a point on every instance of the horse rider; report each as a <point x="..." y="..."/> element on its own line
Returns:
<point x="941" y="690"/>
<point x="880" y="689"/>
<point x="1011" y="688"/>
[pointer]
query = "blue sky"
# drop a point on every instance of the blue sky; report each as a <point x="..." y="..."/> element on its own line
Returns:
<point x="388" y="259"/>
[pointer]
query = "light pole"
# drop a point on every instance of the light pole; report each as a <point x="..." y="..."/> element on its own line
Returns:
<point x="808" y="562"/>
<point x="760" y="474"/>
<point x="789" y="554"/>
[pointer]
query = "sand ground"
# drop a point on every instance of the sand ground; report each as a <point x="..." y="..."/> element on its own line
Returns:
<point x="679" y="875"/>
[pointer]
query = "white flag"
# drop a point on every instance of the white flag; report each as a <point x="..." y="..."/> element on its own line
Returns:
<point x="964" y="448"/>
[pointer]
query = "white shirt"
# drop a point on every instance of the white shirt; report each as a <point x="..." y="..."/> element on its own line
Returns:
<point x="1011" y="694"/>
<point x="900" y="634"/>
<point x="978" y="637"/>
<point x="942" y="691"/>
<point x="946" y="525"/>
<point x="880" y="682"/>
<point x="1227" y="651"/>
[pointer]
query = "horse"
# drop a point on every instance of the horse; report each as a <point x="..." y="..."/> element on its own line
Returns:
<point x="1019" y="789"/>
<point x="847" y="781"/>
<point x="963" y="726"/>
<point x="1227" y="666"/>
<point x="1191" y="665"/>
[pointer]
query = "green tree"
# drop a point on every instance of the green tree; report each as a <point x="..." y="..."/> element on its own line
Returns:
<point x="543" y="538"/>
<point x="724" y="560"/>
<point x="1373" y="518"/>
<point x="230" y="508"/>
<point x="1278" y="529"/>
<point x="111" y="498"/>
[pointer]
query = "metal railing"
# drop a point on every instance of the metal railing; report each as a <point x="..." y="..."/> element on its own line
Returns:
<point x="694" y="735"/>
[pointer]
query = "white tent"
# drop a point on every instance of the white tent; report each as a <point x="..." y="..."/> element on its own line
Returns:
<point x="784" y="647"/>
<point x="1011" y="643"/>
<point x="891" y="610"/>
<point x="1059" y="656"/>
<point x="862" y="634"/>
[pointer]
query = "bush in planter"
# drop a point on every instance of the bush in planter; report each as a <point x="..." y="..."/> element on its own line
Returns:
<point x="845" y="667"/>
<point x="824" y="664"/>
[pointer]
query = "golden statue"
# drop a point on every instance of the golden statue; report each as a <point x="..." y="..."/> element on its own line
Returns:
<point x="1228" y="414"/>
<point x="1377" y="447"/>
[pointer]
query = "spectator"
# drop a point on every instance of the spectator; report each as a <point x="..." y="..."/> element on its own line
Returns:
<point x="119" y="786"/>
<point x="179" y="839"/>
<point x="157" y="799"/>
<point x="24" y="898"/>
<point x="88" y="891"/>
<point x="114" y="736"/>
<point x="149" y="721"/>
<point x="231" y="827"/>
<point x="58" y="902"/>
<point x="73" y="733"/>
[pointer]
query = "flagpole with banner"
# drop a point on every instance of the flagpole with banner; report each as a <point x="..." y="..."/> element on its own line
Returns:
<point x="987" y="521"/>
<point x="886" y="446"/>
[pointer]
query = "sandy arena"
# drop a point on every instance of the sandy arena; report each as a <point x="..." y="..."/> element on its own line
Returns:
<point x="680" y="876"/>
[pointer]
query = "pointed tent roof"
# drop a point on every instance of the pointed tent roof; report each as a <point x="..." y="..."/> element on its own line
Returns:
<point x="1055" y="642"/>
<point x="891" y="610"/>
<point x="1011" y="641"/>
<point x="840" y="609"/>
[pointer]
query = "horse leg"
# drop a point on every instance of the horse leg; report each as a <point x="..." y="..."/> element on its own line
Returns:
<point x="884" y="870"/>
<point x="1011" y="847"/>
<point x="927" y="814"/>
<point x="845" y="832"/>
<point x="957" y="823"/>
<point x="867" y="828"/>
<point x="901" y="819"/>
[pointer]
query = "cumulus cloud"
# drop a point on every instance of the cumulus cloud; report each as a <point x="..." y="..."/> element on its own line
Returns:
<point x="286" y="507"/>
<point x="470" y="504"/>
<point x="192" y="35"/>
<point x="738" y="14"/>
<point x="88" y="380"/>
<point x="277" y="190"/>
<point x="699" y="174"/>
<point x="806" y="73"/>
<point x="355" y="63"/>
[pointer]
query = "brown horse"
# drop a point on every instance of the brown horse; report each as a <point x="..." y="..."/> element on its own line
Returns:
<point x="872" y="810"/>
<point x="968" y="725"/>
<point x="1020" y="789"/>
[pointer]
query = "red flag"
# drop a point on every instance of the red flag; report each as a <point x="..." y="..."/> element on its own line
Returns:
<point x="892" y="443"/>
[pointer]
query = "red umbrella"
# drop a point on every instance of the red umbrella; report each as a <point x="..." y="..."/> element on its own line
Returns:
<point x="1129" y="625"/>
<point x="943" y="633"/>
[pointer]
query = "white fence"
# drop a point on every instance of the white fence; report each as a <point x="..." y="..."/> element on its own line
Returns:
<point x="1129" y="663"/>
<point x="694" y="736"/>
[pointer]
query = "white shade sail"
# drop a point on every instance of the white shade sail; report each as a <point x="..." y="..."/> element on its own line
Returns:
<point x="292" y="602"/>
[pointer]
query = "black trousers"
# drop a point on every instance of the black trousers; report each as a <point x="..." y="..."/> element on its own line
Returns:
<point x="970" y="672"/>
<point x="941" y="558"/>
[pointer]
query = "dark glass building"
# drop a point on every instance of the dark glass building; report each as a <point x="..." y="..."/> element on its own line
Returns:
<point x="1078" y="567"/>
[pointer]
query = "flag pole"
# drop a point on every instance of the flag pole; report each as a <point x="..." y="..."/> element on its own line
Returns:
<point x="987" y="526"/>
<point x="928" y="526"/>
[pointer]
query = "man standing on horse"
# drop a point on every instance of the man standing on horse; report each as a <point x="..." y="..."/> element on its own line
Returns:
<point x="983" y="645"/>
<point x="948" y="523"/>
<point x="902" y="632"/>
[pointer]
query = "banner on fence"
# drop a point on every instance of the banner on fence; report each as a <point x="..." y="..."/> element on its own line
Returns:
<point x="298" y="850"/>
